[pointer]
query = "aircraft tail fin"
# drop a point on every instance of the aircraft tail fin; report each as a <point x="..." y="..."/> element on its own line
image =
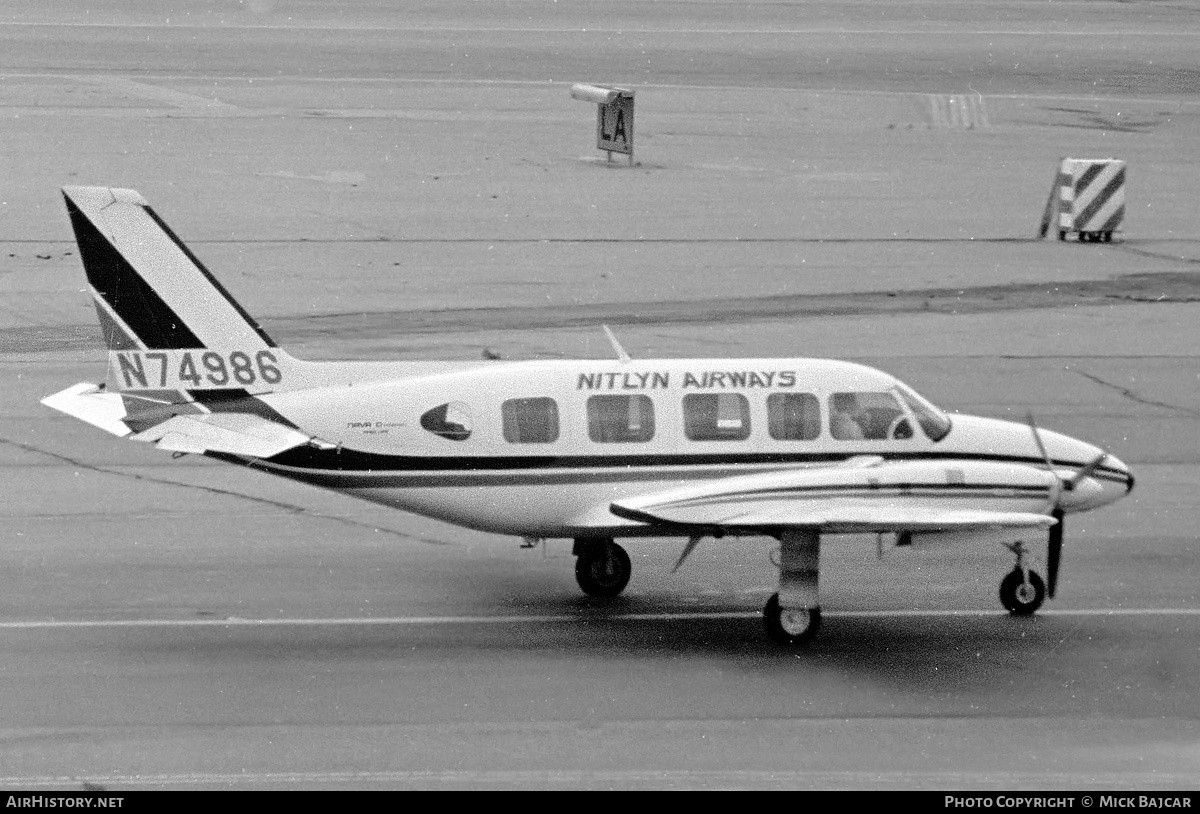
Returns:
<point x="168" y="323"/>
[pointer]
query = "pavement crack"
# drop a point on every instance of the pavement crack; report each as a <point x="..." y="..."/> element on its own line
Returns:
<point x="291" y="508"/>
<point x="1132" y="395"/>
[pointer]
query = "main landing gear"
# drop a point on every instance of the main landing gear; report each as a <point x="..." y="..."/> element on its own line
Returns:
<point x="793" y="616"/>
<point x="602" y="567"/>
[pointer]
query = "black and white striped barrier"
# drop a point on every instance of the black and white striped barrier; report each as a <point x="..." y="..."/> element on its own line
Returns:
<point x="1088" y="199"/>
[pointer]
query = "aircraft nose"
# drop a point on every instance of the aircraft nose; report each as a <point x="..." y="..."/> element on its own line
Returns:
<point x="1120" y="472"/>
<point x="1110" y="480"/>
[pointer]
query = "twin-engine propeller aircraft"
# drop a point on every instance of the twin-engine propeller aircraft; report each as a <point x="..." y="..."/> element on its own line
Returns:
<point x="590" y="450"/>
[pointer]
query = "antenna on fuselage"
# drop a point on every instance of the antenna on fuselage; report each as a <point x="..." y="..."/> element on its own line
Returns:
<point x="621" y="354"/>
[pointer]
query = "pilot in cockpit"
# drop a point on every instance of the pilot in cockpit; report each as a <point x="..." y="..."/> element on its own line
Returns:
<point x="846" y="417"/>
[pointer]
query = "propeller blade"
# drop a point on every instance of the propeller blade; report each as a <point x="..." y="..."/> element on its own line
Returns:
<point x="1056" y="489"/>
<point x="1054" y="553"/>
<point x="1054" y="543"/>
<point x="1078" y="477"/>
<point x="1037" y="438"/>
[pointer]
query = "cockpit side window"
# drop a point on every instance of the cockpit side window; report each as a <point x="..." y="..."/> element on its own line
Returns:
<point x="867" y="416"/>
<point x="451" y="421"/>
<point x="934" y="423"/>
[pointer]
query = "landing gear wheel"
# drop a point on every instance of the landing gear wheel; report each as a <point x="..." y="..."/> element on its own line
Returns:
<point x="603" y="570"/>
<point x="791" y="626"/>
<point x="1021" y="598"/>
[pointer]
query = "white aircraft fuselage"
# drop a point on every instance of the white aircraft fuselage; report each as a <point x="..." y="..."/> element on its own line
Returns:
<point x="563" y="487"/>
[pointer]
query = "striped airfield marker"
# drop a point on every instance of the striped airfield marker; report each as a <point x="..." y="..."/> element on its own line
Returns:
<point x="1088" y="197"/>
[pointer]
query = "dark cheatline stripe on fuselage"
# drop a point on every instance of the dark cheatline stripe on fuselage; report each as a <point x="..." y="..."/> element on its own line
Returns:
<point x="351" y="460"/>
<point x="238" y="400"/>
<point x="348" y="468"/>
<point x="130" y="297"/>
<point x="393" y="479"/>
<point x="211" y="279"/>
<point x="346" y="459"/>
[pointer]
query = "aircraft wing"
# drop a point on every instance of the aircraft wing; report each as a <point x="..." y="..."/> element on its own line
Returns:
<point x="233" y="433"/>
<point x="852" y="498"/>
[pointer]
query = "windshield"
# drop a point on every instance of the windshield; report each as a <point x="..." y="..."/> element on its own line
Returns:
<point x="933" y="421"/>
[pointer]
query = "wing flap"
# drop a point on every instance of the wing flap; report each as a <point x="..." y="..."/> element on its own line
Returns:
<point x="233" y="433"/>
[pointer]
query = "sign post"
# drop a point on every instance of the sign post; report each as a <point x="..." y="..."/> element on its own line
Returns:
<point x="614" y="117"/>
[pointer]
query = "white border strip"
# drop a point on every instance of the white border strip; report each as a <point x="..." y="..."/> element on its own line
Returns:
<point x="413" y="621"/>
<point x="1157" y="783"/>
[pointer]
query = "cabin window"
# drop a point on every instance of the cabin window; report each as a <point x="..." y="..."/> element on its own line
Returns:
<point x="451" y="421"/>
<point x="716" y="417"/>
<point x="867" y="416"/>
<point x="530" y="421"/>
<point x="793" y="416"/>
<point x="617" y="419"/>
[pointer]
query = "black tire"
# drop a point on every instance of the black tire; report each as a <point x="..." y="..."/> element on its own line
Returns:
<point x="794" y="627"/>
<point x="1062" y="234"/>
<point x="603" y="571"/>
<point x="1020" y="599"/>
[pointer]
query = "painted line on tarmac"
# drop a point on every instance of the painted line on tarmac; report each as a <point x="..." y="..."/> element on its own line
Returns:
<point x="548" y="84"/>
<point x="818" y="30"/>
<point x="412" y="621"/>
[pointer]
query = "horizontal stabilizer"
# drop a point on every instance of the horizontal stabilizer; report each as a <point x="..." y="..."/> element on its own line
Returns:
<point x="92" y="404"/>
<point x="232" y="433"/>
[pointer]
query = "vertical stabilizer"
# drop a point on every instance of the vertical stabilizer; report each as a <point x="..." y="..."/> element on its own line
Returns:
<point x="151" y="292"/>
<point x="167" y="322"/>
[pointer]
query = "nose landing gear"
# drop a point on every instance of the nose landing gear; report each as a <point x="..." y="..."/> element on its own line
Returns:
<point x="1022" y="591"/>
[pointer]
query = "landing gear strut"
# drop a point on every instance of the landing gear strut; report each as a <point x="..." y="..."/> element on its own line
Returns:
<point x="793" y="616"/>
<point x="602" y="567"/>
<point x="1022" y="591"/>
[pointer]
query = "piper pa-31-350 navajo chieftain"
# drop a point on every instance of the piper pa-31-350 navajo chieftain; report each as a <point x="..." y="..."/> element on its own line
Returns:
<point x="590" y="450"/>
